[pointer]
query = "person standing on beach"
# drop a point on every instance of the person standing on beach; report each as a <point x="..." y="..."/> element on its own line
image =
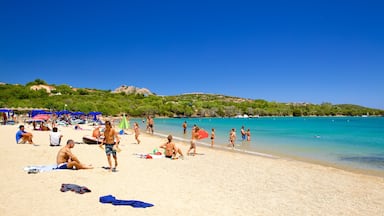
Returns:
<point x="23" y="136"/>
<point x="136" y="129"/>
<point x="195" y="137"/>
<point x="248" y="135"/>
<point x="185" y="127"/>
<point x="212" y="137"/>
<point x="5" y="119"/>
<point x="66" y="160"/>
<point x="111" y="142"/>
<point x="232" y="137"/>
<point x="150" y="124"/>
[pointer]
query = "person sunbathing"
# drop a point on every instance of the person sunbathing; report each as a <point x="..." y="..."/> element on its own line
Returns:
<point x="171" y="150"/>
<point x="23" y="136"/>
<point x="67" y="160"/>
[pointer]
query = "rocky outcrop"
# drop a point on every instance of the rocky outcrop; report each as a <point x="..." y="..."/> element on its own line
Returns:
<point x="132" y="90"/>
<point x="46" y="87"/>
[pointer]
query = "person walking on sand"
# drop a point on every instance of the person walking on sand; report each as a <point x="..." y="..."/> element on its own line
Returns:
<point x="111" y="142"/>
<point x="171" y="150"/>
<point x="65" y="159"/>
<point x="136" y="129"/>
<point x="212" y="137"/>
<point x="195" y="137"/>
<point x="23" y="136"/>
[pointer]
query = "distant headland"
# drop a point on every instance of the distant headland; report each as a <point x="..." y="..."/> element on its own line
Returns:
<point x="138" y="102"/>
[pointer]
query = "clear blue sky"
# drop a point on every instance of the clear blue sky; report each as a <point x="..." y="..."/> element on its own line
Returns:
<point x="283" y="51"/>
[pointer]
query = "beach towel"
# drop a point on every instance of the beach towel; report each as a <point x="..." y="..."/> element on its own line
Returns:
<point x="149" y="156"/>
<point x="134" y="203"/>
<point x="75" y="188"/>
<point x="40" y="168"/>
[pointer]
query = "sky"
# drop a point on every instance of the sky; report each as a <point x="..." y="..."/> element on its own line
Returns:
<point x="284" y="51"/>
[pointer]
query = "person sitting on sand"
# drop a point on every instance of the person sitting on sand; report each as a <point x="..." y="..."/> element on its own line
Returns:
<point x="23" y="136"/>
<point x="195" y="137"/>
<point x="55" y="137"/>
<point x="96" y="132"/>
<point x="44" y="127"/>
<point x="171" y="150"/>
<point x="66" y="160"/>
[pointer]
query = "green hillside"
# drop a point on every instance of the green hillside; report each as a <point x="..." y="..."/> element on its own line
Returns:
<point x="189" y="105"/>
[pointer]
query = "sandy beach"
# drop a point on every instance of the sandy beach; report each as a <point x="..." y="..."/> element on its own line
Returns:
<point x="214" y="182"/>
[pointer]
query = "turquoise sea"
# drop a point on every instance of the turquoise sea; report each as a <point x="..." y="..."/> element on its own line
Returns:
<point x="346" y="142"/>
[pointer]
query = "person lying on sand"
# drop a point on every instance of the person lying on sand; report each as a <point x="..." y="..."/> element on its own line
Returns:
<point x="66" y="160"/>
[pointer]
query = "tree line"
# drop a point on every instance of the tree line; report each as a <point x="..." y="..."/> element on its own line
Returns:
<point x="185" y="105"/>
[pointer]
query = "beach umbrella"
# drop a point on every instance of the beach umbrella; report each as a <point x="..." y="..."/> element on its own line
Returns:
<point x="94" y="114"/>
<point x="124" y="123"/>
<point x="41" y="117"/>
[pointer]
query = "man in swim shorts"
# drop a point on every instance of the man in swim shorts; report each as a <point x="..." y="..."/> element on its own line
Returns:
<point x="195" y="137"/>
<point x="67" y="160"/>
<point x="111" y="142"/>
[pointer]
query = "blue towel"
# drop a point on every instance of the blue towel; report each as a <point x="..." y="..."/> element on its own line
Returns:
<point x="133" y="203"/>
<point x="107" y="199"/>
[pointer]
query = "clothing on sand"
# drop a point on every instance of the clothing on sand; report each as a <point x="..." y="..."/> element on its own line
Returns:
<point x="134" y="203"/>
<point x="75" y="188"/>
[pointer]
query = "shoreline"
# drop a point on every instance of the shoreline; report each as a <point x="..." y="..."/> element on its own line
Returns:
<point x="311" y="148"/>
<point x="214" y="182"/>
<point x="275" y="155"/>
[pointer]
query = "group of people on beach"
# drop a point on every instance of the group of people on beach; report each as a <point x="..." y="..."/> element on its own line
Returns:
<point x="109" y="138"/>
<point x="110" y="143"/>
<point x="245" y="134"/>
<point x="65" y="158"/>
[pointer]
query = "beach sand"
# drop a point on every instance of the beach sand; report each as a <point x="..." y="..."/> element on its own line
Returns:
<point x="215" y="182"/>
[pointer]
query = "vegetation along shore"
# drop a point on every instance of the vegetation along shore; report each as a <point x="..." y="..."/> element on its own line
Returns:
<point x="141" y="102"/>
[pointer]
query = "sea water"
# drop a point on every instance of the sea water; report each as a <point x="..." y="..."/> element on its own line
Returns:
<point x="351" y="142"/>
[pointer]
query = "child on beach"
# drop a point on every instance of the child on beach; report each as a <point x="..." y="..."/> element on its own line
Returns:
<point x="136" y="129"/>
